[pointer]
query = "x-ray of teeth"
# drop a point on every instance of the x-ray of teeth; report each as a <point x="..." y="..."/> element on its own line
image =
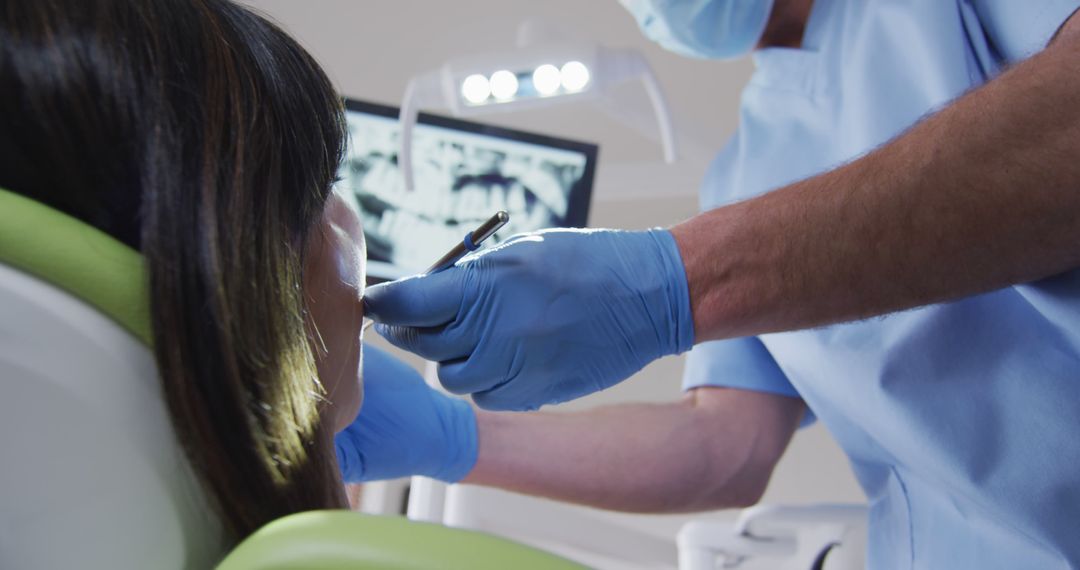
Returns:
<point x="461" y="179"/>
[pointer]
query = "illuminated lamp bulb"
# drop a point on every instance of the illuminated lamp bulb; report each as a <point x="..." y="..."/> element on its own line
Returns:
<point x="575" y="76"/>
<point x="546" y="79"/>
<point x="475" y="89"/>
<point x="504" y="84"/>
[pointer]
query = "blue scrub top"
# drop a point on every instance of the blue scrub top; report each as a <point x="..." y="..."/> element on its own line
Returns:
<point x="962" y="419"/>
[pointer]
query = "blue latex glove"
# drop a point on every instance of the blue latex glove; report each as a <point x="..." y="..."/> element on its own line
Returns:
<point x="545" y="317"/>
<point x="405" y="427"/>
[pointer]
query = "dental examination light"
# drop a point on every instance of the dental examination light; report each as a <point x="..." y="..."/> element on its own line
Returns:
<point x="528" y="77"/>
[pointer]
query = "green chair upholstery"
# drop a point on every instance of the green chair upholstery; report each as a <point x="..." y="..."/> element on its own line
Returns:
<point x="105" y="274"/>
<point x="336" y="540"/>
<point x="86" y="262"/>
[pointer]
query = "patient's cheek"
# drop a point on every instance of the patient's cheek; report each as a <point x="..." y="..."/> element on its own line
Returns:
<point x="333" y="284"/>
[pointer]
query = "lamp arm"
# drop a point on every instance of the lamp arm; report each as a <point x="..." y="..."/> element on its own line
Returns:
<point x="663" y="114"/>
<point x="619" y="65"/>
<point x="426" y="89"/>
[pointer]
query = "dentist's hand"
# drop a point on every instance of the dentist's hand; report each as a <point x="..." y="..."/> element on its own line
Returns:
<point x="545" y="317"/>
<point x="405" y="427"/>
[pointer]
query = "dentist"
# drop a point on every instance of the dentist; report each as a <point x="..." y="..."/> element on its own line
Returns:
<point x="914" y="162"/>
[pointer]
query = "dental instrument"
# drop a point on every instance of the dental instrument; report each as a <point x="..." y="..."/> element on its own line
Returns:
<point x="470" y="243"/>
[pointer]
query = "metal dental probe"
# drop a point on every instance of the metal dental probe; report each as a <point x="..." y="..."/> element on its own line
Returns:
<point x="471" y="243"/>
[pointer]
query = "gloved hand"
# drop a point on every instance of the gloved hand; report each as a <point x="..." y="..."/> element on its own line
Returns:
<point x="545" y="317"/>
<point x="405" y="427"/>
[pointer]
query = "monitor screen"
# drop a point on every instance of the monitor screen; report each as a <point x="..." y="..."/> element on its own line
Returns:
<point x="464" y="172"/>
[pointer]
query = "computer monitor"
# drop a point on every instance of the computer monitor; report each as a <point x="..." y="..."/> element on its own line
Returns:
<point x="464" y="172"/>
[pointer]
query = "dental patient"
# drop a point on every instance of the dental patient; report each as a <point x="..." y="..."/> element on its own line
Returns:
<point x="204" y="137"/>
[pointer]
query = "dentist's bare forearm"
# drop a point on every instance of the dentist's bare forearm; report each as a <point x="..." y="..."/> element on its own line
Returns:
<point x="980" y="196"/>
<point x="601" y="458"/>
<point x="714" y="449"/>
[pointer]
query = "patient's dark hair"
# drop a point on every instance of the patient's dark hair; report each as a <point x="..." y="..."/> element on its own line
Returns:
<point x="202" y="135"/>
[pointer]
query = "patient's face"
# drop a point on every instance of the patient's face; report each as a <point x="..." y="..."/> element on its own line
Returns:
<point x="334" y="288"/>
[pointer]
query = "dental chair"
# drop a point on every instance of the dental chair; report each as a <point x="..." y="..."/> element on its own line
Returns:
<point x="779" y="537"/>
<point x="91" y="473"/>
<point x="829" y="536"/>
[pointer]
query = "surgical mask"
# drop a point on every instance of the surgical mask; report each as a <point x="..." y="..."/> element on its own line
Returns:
<point x="711" y="29"/>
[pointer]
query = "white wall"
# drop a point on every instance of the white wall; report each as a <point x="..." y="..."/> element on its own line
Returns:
<point x="371" y="48"/>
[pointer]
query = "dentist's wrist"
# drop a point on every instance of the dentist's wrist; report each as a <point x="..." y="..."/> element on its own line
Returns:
<point x="718" y="262"/>
<point x="459" y="453"/>
<point x="500" y="437"/>
<point x="680" y="318"/>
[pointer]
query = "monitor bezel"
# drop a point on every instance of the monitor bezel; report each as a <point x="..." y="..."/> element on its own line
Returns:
<point x="577" y="210"/>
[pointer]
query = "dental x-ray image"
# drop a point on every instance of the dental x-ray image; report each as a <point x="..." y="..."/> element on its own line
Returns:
<point x="464" y="172"/>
